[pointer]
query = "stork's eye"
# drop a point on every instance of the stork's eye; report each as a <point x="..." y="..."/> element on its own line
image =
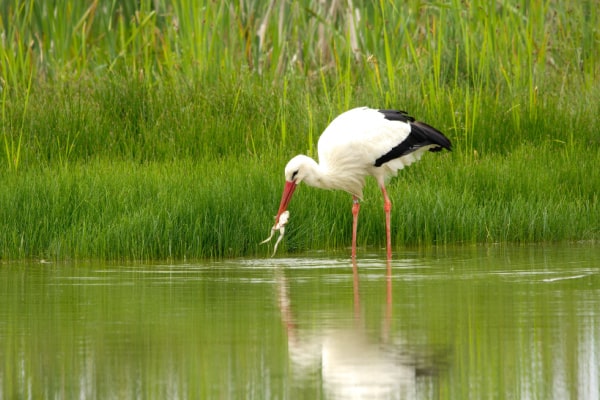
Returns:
<point x="294" y="174"/>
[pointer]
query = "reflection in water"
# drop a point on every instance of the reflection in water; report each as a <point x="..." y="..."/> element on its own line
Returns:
<point x="486" y="322"/>
<point x="353" y="364"/>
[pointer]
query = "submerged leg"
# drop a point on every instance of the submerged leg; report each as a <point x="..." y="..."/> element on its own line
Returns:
<point x="355" y="209"/>
<point x="387" y="206"/>
<point x="355" y="288"/>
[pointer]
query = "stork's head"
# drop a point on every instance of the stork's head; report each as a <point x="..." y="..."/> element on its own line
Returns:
<point x="296" y="170"/>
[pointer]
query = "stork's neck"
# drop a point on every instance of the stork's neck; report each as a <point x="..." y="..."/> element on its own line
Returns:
<point x="316" y="175"/>
<point x="320" y="175"/>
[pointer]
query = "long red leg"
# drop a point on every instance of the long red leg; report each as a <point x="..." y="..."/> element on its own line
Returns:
<point x="387" y="206"/>
<point x="355" y="209"/>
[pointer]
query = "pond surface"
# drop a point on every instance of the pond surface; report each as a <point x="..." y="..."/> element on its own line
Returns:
<point x="448" y="323"/>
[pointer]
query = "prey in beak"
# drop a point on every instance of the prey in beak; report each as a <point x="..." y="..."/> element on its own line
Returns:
<point x="283" y="214"/>
<point x="279" y="225"/>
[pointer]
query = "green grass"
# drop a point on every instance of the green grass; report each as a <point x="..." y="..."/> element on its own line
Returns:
<point x="185" y="210"/>
<point x="159" y="129"/>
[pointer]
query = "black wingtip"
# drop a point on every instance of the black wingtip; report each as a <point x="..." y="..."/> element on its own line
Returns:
<point x="433" y="135"/>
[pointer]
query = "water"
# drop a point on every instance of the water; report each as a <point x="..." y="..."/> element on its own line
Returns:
<point x="477" y="322"/>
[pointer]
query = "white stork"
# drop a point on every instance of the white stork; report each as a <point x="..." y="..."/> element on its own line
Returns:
<point x="360" y="142"/>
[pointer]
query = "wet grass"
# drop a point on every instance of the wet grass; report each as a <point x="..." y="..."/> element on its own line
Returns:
<point x="138" y="130"/>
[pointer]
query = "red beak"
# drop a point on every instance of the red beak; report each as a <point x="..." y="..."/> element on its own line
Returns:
<point x="288" y="191"/>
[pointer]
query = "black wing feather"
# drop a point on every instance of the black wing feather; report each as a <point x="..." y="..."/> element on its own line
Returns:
<point x="421" y="134"/>
<point x="396" y="115"/>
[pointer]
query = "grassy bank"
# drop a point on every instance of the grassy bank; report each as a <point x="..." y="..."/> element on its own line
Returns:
<point x="160" y="129"/>
<point x="185" y="209"/>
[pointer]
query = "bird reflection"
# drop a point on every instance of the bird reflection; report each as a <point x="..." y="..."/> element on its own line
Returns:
<point x="347" y="360"/>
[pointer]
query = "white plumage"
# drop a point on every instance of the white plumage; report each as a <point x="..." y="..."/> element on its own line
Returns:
<point x="358" y="143"/>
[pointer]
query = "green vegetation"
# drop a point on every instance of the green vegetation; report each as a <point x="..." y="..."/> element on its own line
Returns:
<point x="154" y="129"/>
